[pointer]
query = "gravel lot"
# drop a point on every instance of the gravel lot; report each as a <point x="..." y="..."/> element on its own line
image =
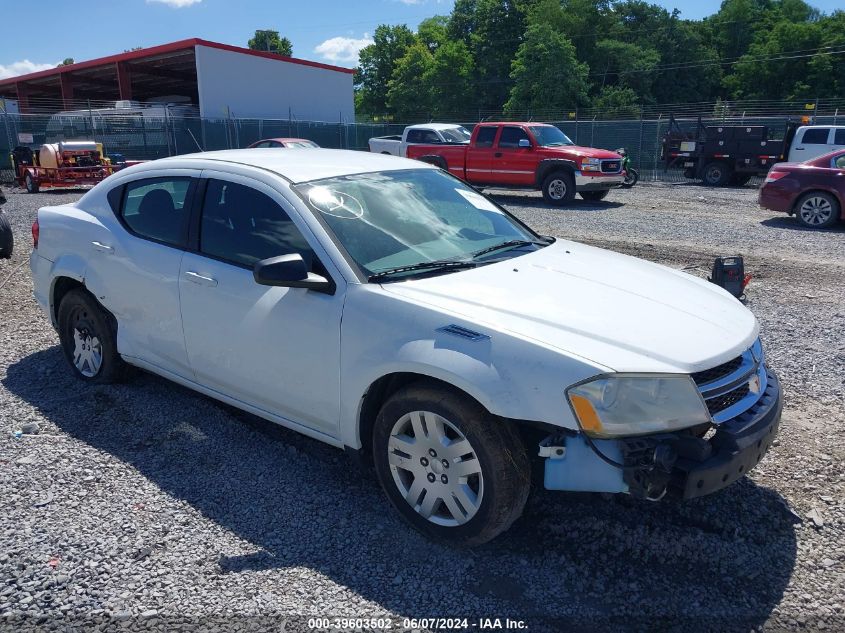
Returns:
<point x="149" y="505"/>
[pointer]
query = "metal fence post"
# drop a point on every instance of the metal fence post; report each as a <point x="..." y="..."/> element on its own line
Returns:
<point x="640" y="146"/>
<point x="656" y="145"/>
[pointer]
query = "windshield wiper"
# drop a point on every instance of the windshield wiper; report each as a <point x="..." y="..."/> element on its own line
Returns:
<point x="507" y="244"/>
<point x="437" y="265"/>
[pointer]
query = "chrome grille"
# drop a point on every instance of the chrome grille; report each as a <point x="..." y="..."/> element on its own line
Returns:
<point x="727" y="388"/>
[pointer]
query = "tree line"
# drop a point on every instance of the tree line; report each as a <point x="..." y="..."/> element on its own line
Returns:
<point x="527" y="57"/>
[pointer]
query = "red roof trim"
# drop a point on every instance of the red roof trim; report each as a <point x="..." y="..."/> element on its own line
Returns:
<point x="166" y="48"/>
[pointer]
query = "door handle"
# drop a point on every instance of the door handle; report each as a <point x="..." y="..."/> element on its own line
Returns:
<point x="497" y="155"/>
<point x="200" y="279"/>
<point x="801" y="148"/>
<point x="103" y="248"/>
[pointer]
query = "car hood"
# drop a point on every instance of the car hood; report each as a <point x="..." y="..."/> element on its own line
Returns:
<point x="583" y="152"/>
<point x="616" y="311"/>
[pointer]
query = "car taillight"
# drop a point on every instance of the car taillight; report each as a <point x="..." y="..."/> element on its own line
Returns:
<point x="35" y="232"/>
<point x="775" y="175"/>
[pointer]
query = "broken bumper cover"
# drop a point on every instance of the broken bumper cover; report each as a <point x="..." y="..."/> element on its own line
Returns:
<point x="737" y="446"/>
<point x="675" y="463"/>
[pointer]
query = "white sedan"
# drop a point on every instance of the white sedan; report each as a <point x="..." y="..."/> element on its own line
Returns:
<point x="381" y="305"/>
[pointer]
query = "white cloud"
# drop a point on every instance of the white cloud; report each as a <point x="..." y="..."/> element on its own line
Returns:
<point x="343" y="49"/>
<point x="176" y="4"/>
<point x="23" y="67"/>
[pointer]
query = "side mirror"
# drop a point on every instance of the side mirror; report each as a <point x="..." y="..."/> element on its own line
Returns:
<point x="289" y="271"/>
<point x="524" y="142"/>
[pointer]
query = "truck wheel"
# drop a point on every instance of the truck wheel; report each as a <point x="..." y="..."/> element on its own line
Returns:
<point x="594" y="196"/>
<point x="453" y="471"/>
<point x="88" y="339"/>
<point x="31" y="184"/>
<point x="716" y="174"/>
<point x="817" y="210"/>
<point x="559" y="188"/>
<point x="7" y="238"/>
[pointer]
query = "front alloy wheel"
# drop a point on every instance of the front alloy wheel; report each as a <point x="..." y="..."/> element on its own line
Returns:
<point x="452" y="470"/>
<point x="435" y="468"/>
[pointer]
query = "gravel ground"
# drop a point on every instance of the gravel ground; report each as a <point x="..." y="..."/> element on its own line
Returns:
<point x="147" y="505"/>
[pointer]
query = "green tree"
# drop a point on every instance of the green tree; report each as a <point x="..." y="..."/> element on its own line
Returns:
<point x="450" y="81"/>
<point x="67" y="62"/>
<point x="547" y="76"/>
<point x="617" y="102"/>
<point x="376" y="64"/>
<point x="433" y="31"/>
<point x="407" y="95"/>
<point x="270" y="42"/>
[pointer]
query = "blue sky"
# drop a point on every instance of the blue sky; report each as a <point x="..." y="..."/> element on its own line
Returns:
<point x="323" y="30"/>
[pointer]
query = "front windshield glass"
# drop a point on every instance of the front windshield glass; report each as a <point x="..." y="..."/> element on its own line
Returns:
<point x="392" y="219"/>
<point x="549" y="136"/>
<point x="456" y="135"/>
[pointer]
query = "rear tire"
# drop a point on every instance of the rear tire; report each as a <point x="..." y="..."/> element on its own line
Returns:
<point x="631" y="178"/>
<point x="32" y="185"/>
<point x="89" y="339"/>
<point x="453" y="471"/>
<point x="594" y="196"/>
<point x="559" y="188"/>
<point x="817" y="210"/>
<point x="716" y="174"/>
<point x="7" y="238"/>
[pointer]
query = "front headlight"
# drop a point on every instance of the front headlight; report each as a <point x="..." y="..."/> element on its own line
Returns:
<point x="590" y="164"/>
<point x="637" y="404"/>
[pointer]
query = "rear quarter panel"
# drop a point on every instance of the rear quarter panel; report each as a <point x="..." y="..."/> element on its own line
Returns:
<point x="454" y="155"/>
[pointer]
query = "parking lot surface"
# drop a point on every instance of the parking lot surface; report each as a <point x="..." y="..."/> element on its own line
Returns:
<point x="147" y="504"/>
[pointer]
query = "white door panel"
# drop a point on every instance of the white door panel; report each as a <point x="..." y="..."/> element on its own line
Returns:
<point x="137" y="280"/>
<point x="277" y="349"/>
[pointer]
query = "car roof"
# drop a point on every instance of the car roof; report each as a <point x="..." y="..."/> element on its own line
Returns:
<point x="299" y="166"/>
<point x="435" y="126"/>
<point x="284" y="139"/>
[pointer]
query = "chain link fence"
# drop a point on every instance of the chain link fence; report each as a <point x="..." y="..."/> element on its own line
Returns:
<point x="149" y="138"/>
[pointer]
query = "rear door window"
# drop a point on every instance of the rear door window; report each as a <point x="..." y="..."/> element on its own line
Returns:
<point x="839" y="138"/>
<point x="485" y="137"/>
<point x="816" y="136"/>
<point x="416" y="136"/>
<point x="158" y="208"/>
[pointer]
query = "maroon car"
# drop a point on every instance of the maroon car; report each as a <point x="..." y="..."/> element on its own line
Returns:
<point x="812" y="191"/>
<point x="289" y="143"/>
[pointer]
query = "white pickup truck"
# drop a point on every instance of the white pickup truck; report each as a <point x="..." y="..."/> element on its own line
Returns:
<point x="425" y="133"/>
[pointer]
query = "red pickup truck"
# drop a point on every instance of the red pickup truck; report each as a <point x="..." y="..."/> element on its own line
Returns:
<point x="528" y="156"/>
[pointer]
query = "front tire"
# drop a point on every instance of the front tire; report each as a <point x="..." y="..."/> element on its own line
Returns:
<point x="453" y="471"/>
<point x="817" y="210"/>
<point x="631" y="178"/>
<point x="88" y="339"/>
<point x="558" y="188"/>
<point x="7" y="238"/>
<point x="594" y="196"/>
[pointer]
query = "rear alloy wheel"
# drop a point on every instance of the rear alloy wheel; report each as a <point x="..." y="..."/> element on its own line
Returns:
<point x="453" y="471"/>
<point x="88" y="339"/>
<point x="594" y="196"/>
<point x="817" y="210"/>
<point x="716" y="174"/>
<point x="559" y="188"/>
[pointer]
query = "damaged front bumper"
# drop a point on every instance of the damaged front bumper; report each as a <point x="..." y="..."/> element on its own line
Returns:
<point x="685" y="464"/>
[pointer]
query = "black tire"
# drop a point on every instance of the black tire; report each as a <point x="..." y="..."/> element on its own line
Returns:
<point x="32" y="185"/>
<point x="739" y="180"/>
<point x="501" y="455"/>
<point x="558" y="188"/>
<point x="7" y="238"/>
<point x="79" y="310"/>
<point x="594" y="196"/>
<point x="827" y="207"/>
<point x="632" y="176"/>
<point x="716" y="173"/>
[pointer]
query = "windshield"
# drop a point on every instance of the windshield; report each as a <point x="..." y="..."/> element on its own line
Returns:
<point x="549" y="136"/>
<point x="456" y="135"/>
<point x="394" y="219"/>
